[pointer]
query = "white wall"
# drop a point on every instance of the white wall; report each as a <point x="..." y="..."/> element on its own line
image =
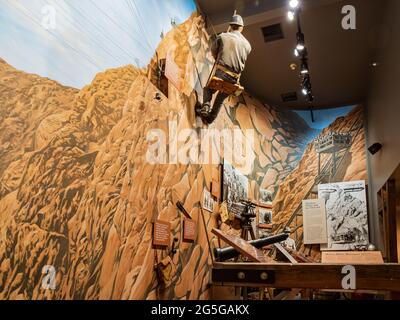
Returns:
<point x="383" y="110"/>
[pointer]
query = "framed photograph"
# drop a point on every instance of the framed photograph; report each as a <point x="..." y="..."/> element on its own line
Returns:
<point x="265" y="197"/>
<point x="346" y="215"/>
<point x="234" y="186"/>
<point x="264" y="216"/>
<point x="208" y="201"/>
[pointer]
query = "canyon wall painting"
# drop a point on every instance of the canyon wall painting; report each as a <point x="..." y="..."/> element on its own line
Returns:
<point x="78" y="194"/>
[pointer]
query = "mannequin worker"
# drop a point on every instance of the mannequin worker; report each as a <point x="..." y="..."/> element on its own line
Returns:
<point x="230" y="50"/>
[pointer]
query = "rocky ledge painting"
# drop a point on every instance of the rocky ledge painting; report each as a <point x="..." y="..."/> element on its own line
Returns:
<point x="79" y="196"/>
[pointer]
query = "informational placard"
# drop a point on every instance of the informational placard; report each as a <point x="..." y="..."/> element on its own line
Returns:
<point x="189" y="230"/>
<point x="172" y="71"/>
<point x="235" y="187"/>
<point x="314" y="221"/>
<point x="208" y="202"/>
<point x="352" y="257"/>
<point x="346" y="215"/>
<point x="161" y="233"/>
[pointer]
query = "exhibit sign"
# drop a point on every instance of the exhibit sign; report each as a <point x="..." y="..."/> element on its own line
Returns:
<point x="265" y="198"/>
<point x="161" y="233"/>
<point x="235" y="186"/>
<point x="189" y="230"/>
<point x="346" y="214"/>
<point x="352" y="257"/>
<point x="208" y="201"/>
<point x="314" y="221"/>
<point x="264" y="216"/>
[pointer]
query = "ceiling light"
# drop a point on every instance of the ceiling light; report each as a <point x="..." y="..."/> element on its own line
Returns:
<point x="306" y="85"/>
<point x="296" y="52"/>
<point x="300" y="41"/>
<point x="304" y="71"/>
<point x="291" y="15"/>
<point x="304" y="67"/>
<point x="294" y="3"/>
<point x="306" y="82"/>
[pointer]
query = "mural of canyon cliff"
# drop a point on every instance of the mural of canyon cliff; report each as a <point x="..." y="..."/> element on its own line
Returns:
<point x="77" y="193"/>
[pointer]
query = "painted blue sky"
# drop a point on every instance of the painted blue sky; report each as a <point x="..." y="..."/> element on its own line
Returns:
<point x="325" y="117"/>
<point x="89" y="35"/>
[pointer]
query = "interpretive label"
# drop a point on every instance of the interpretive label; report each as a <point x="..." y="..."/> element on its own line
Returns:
<point x="161" y="233"/>
<point x="189" y="230"/>
<point x="314" y="221"/>
<point x="352" y="257"/>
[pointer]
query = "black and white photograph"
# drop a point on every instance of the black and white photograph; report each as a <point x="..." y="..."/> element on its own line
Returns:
<point x="235" y="186"/>
<point x="265" y="197"/>
<point x="208" y="201"/>
<point x="346" y="212"/>
<point x="264" y="216"/>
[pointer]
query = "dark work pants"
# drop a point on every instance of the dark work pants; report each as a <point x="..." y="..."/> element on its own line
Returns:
<point x="219" y="100"/>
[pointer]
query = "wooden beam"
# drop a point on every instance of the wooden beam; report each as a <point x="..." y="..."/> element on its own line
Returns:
<point x="391" y="216"/>
<point x="385" y="277"/>
<point x="242" y="246"/>
<point x="285" y="253"/>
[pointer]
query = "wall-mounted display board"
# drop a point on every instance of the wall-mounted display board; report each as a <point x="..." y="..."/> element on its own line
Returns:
<point x="242" y="246"/>
<point x="235" y="186"/>
<point x="265" y="198"/>
<point x="161" y="233"/>
<point x="264" y="222"/>
<point x="346" y="214"/>
<point x="352" y="257"/>
<point x="208" y="201"/>
<point x="264" y="216"/>
<point x="314" y="221"/>
<point x="189" y="230"/>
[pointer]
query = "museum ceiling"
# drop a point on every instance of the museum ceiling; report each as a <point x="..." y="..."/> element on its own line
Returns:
<point x="340" y="60"/>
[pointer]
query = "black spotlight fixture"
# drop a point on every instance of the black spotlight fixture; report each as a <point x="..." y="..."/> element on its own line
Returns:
<point x="306" y="85"/>
<point x="300" y="50"/>
<point x="304" y="66"/>
<point x="300" y="41"/>
<point x="375" y="148"/>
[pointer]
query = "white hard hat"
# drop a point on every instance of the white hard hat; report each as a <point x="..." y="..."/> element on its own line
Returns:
<point x="237" y="20"/>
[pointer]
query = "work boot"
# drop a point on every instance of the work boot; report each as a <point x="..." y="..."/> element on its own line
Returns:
<point x="204" y="111"/>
